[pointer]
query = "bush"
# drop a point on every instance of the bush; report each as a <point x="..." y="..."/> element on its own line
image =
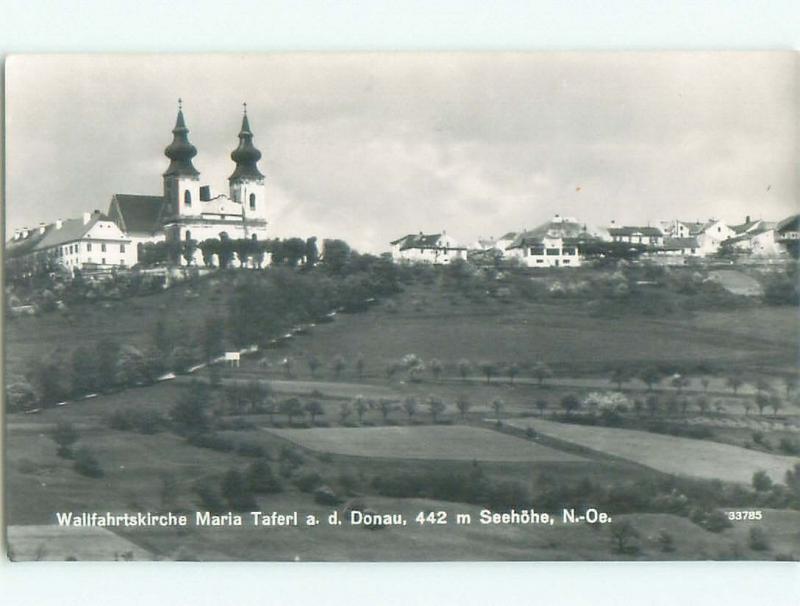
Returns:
<point x="235" y="489"/>
<point x="324" y="495"/>
<point x="210" y="499"/>
<point x="789" y="446"/>
<point x="713" y="521"/>
<point x="308" y="481"/>
<point x="211" y="441"/>
<point x="261" y="478"/>
<point x="757" y="539"/>
<point x="666" y="541"/>
<point x="87" y="464"/>
<point x="761" y="481"/>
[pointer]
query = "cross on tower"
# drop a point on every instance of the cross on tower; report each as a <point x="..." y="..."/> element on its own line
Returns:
<point x="180" y="104"/>
<point x="245" y="107"/>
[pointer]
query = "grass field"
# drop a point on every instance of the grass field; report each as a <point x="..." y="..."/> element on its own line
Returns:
<point x="457" y="442"/>
<point x="670" y="454"/>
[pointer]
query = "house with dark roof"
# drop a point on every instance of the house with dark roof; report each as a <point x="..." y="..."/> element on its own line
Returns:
<point x="437" y="249"/>
<point x="709" y="234"/>
<point x="649" y="236"/>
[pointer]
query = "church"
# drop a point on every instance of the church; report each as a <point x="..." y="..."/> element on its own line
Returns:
<point x="188" y="210"/>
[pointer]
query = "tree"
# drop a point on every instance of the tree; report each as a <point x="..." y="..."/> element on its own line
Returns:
<point x="762" y="401"/>
<point x="570" y="403"/>
<point x="188" y="248"/>
<point x="288" y="363"/>
<point x="410" y="406"/>
<point x="314" y="409"/>
<point x="464" y="368"/>
<point x="235" y="489"/>
<point x="734" y="382"/>
<point x="775" y="404"/>
<point x="436" y="368"/>
<point x="512" y="370"/>
<point x="291" y="407"/>
<point x="624" y="534"/>
<point x="335" y="255"/>
<point x="261" y="479"/>
<point x="679" y="382"/>
<point x="311" y="252"/>
<point x="345" y="410"/>
<point x="209" y="248"/>
<point x="652" y="404"/>
<point x="65" y="435"/>
<point x="391" y="369"/>
<point x="541" y="404"/>
<point x="619" y="375"/>
<point x="650" y="376"/>
<point x="295" y="251"/>
<point x="190" y="413"/>
<point x="489" y="369"/>
<point x="360" y="405"/>
<point x="497" y="406"/>
<point x="242" y="247"/>
<point x="225" y="251"/>
<point x="338" y="365"/>
<point x="542" y="372"/>
<point x="790" y="383"/>
<point x="386" y="406"/>
<point x="463" y="405"/>
<point x="761" y="481"/>
<point x="86" y="463"/>
<point x="313" y="365"/>
<point x="748" y="406"/>
<point x="436" y="407"/>
<point x="360" y="366"/>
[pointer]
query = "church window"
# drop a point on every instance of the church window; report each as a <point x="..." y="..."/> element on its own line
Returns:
<point x="188" y="235"/>
<point x="187" y="198"/>
<point x="122" y="248"/>
<point x="88" y="247"/>
<point x="103" y="247"/>
<point x="252" y="201"/>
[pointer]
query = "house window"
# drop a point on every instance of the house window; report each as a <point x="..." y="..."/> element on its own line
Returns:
<point x="88" y="247"/>
<point x="103" y="261"/>
<point x="692" y="251"/>
<point x="540" y="260"/>
<point x="566" y="261"/>
<point x="252" y="201"/>
<point x="553" y="252"/>
<point x="103" y="247"/>
<point x="187" y="198"/>
<point x="122" y="248"/>
<point x="569" y="251"/>
<point x="537" y="250"/>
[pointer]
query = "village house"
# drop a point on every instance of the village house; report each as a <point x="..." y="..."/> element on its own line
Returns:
<point x="648" y="236"/>
<point x="90" y="242"/>
<point x="437" y="249"/>
<point x="787" y="234"/>
<point x="709" y="234"/>
<point x="553" y="244"/>
<point x="756" y="238"/>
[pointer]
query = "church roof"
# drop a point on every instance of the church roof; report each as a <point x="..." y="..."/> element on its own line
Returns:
<point x="180" y="151"/>
<point x="136" y="214"/>
<point x="246" y="155"/>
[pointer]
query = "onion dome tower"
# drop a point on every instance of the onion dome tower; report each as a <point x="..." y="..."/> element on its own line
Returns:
<point x="246" y="181"/>
<point x="181" y="179"/>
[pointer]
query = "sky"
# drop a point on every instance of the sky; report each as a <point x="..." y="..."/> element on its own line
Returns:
<point x="370" y="147"/>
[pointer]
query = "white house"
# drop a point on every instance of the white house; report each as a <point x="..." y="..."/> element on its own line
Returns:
<point x="437" y="249"/>
<point x="709" y="234"/>
<point x="554" y="243"/>
<point x="91" y="242"/>
<point x="757" y="238"/>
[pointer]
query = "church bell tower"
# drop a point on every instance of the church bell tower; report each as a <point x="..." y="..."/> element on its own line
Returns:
<point x="181" y="179"/>
<point x="247" y="182"/>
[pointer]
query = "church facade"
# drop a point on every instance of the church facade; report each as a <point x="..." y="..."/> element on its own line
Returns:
<point x="189" y="210"/>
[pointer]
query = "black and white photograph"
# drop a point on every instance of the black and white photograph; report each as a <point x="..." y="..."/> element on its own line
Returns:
<point x="402" y="307"/>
